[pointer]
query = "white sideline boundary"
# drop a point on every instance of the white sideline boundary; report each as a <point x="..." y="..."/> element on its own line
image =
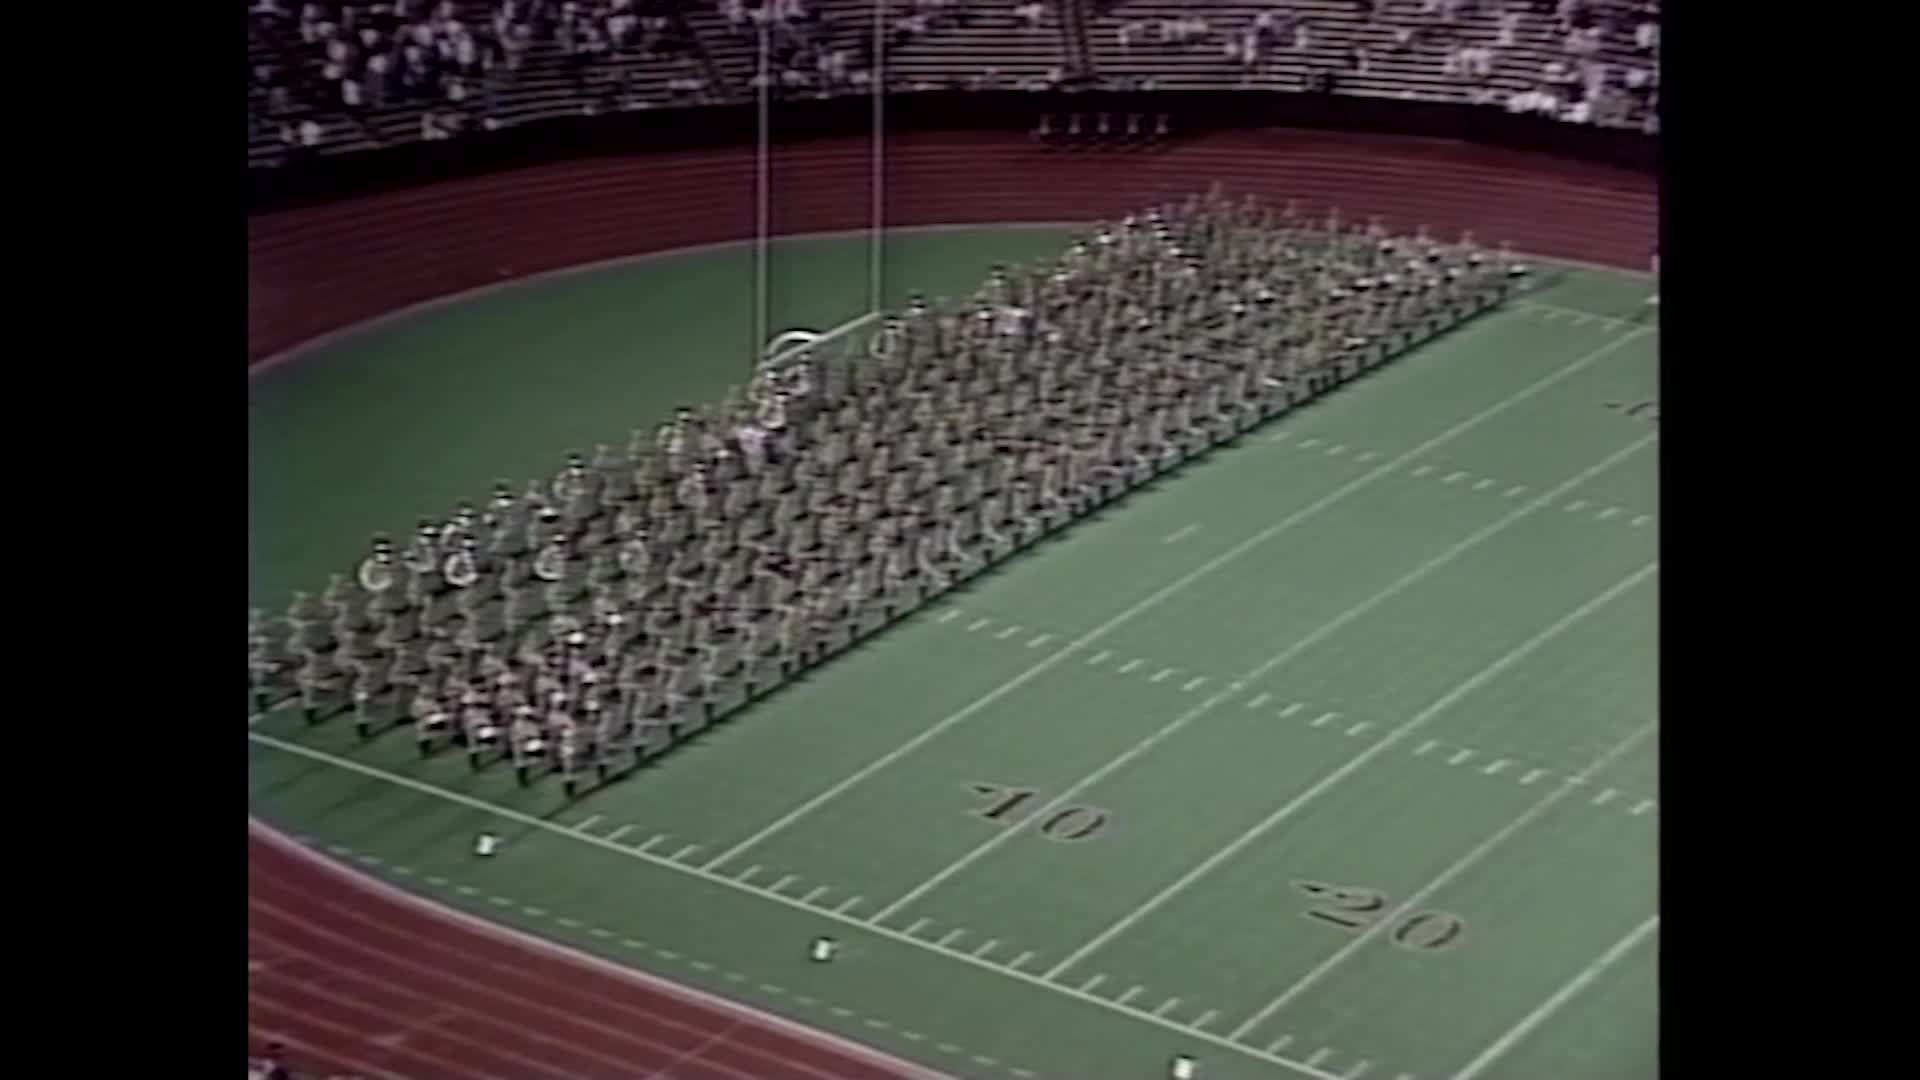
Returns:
<point x="328" y="339"/>
<point x="522" y="939"/>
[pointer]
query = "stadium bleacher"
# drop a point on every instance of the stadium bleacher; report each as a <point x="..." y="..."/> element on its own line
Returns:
<point x="429" y="70"/>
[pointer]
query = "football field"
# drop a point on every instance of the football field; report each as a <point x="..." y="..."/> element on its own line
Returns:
<point x="1334" y="754"/>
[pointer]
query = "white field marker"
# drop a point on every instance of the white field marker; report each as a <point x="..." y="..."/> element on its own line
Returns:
<point x="1291" y="709"/>
<point x="1039" y="641"/>
<point x="849" y="904"/>
<point x="1641" y="520"/>
<point x="748" y="873"/>
<point x="1577" y="504"/>
<point x="1560" y="997"/>
<point x="685" y="851"/>
<point x="1206" y="1018"/>
<point x="1194" y="683"/>
<point x="1279" y="436"/>
<point x="1021" y="960"/>
<point x="1337" y="450"/>
<point x="1167" y="1006"/>
<point x="1424" y="747"/>
<point x="1532" y="776"/>
<point x="1131" y="993"/>
<point x="1318" y="1056"/>
<point x="1161" y="675"/>
<point x="1007" y="633"/>
<point x="1279" y="1044"/>
<point x="914" y="930"/>
<point x="813" y="895"/>
<point x="1309" y="444"/>
<point x="1087" y="987"/>
<point x="949" y="937"/>
<point x="1642" y="806"/>
<point x="1098" y="658"/>
<point x="1517" y="489"/>
<point x="1259" y="701"/>
<point x="1324" y="719"/>
<point x="1459" y="757"/>
<point x="1366" y="455"/>
<point x="987" y="946"/>
<point x="619" y="832"/>
<point x="1359" y="727"/>
<point x="1482" y="484"/>
<point x="1608" y="512"/>
<point x="1453" y="476"/>
<point x="1180" y="534"/>
<point x="649" y="845"/>
<point x="1423" y="470"/>
<point x="1494" y="769"/>
<point x="948" y="615"/>
<point x="1605" y="797"/>
<point x="782" y="883"/>
<point x="977" y="624"/>
<point x="589" y="823"/>
<point x="1359" y="1070"/>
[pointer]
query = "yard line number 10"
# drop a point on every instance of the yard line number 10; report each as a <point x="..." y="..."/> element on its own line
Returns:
<point x="1012" y="806"/>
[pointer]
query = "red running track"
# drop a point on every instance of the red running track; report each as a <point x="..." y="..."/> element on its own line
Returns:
<point x="359" y="978"/>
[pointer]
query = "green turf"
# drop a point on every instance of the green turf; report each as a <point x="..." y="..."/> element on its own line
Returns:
<point x="1453" y="556"/>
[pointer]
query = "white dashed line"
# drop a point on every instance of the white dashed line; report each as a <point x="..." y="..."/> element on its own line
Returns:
<point x="1453" y="476"/>
<point x="1495" y="768"/>
<point x="782" y="883"/>
<point x="1336" y="451"/>
<point x="1099" y="658"/>
<point x="849" y="904"/>
<point x="977" y="624"/>
<point x="1423" y="470"/>
<point x="1259" y="701"/>
<point x="1324" y="719"/>
<point x="1641" y="520"/>
<point x="1007" y="633"/>
<point x="1532" y="776"/>
<point x="685" y="851"/>
<point x="917" y="924"/>
<point x="1517" y="489"/>
<point x="1163" y="673"/>
<point x="1291" y="709"/>
<point x="1130" y="995"/>
<point x="619" y="832"/>
<point x="1129" y="666"/>
<point x="1642" y="806"/>
<point x="1424" y="747"/>
<point x="814" y="895"/>
<point x="588" y="824"/>
<point x="1206" y="1018"/>
<point x="1318" y="1056"/>
<point x="1577" y="504"/>
<point x="1039" y="641"/>
<point x="1167" y="1006"/>
<point x="1359" y="727"/>
<point x="949" y="938"/>
<point x="1605" y="797"/>
<point x="649" y="845"/>
<point x="1279" y="1044"/>
<point x="987" y="947"/>
<point x="1180" y="534"/>
<point x="1366" y="455"/>
<point x="1309" y="444"/>
<point x="1459" y="757"/>
<point x="748" y="873"/>
<point x="1087" y="987"/>
<point x="1194" y="683"/>
<point x="1020" y="960"/>
<point x="1483" y="484"/>
<point x="948" y="615"/>
<point x="1608" y="512"/>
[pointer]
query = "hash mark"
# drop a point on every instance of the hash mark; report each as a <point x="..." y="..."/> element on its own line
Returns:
<point x="1291" y="709"/>
<point x="814" y="895"/>
<point x="499" y="901"/>
<point x="1259" y="701"/>
<point x="685" y="851"/>
<point x="1129" y="995"/>
<point x="747" y="874"/>
<point x="587" y="824"/>
<point x="1605" y="797"/>
<point x="917" y="924"/>
<point x="1424" y="747"/>
<point x="1309" y="444"/>
<point x="1496" y="767"/>
<point x="1206" y="1018"/>
<point x="1452" y="476"/>
<point x="1336" y="451"/>
<point x="1608" y="512"/>
<point x="987" y="947"/>
<point x="1459" y="757"/>
<point x="849" y="904"/>
<point x="782" y="883"/>
<point x="538" y="913"/>
<point x="1324" y="718"/>
<point x="1514" y="490"/>
<point x="1318" y="1056"/>
<point x="977" y="624"/>
<point x="1641" y="520"/>
<point x="1129" y="666"/>
<point x="948" y="939"/>
<point x="1423" y="470"/>
<point x="1359" y="1069"/>
<point x="1020" y="960"/>
<point x="1532" y="776"/>
<point x="1366" y="455"/>
<point x="1642" y="806"/>
<point x="1359" y="727"/>
<point x="1087" y="987"/>
<point x="1099" y="657"/>
<point x="597" y="932"/>
<point x="648" y="846"/>
<point x="1483" y="485"/>
<point x="948" y="615"/>
<point x="1196" y="682"/>
<point x="1164" y="672"/>
<point x="569" y="922"/>
<point x="1007" y="633"/>
<point x="1039" y="641"/>
<point x="881" y="1025"/>
<point x="1279" y="1044"/>
<point x="619" y="832"/>
<point x="1167" y="1006"/>
<point x="1577" y="504"/>
<point x="467" y="890"/>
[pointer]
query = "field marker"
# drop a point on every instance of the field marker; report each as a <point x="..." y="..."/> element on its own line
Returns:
<point x="987" y="947"/>
<point x="1324" y="718"/>
<point x="977" y="624"/>
<point x="568" y="922"/>
<point x="1424" y="747"/>
<point x="1359" y="727"/>
<point x="914" y="930"/>
<point x="598" y="932"/>
<point x="948" y="939"/>
<point x="814" y="895"/>
<point x="1452" y="476"/>
<point x="436" y="880"/>
<point x="747" y="874"/>
<point x="1580" y="320"/>
<point x="1099" y="657"/>
<point x="1007" y="633"/>
<point x="1642" y="806"/>
<point x="1459" y="866"/>
<point x="985" y="1060"/>
<point x="913" y="1035"/>
<point x="782" y="883"/>
<point x="1359" y="1069"/>
<point x="1087" y="987"/>
<point x="589" y="823"/>
<point x="1483" y="484"/>
<point x="538" y="913"/>
<point x="1423" y="470"/>
<point x="1577" y="504"/>
<point x="1259" y="701"/>
<point x="1494" y="769"/>
<point x="1279" y="1044"/>
<point x="1366" y="455"/>
<point x="1336" y="451"/>
<point x="1532" y="776"/>
<point x="1605" y="797"/>
<point x="1132" y="993"/>
<point x="1459" y="757"/>
<point x="1194" y="683"/>
<point x="1560" y="997"/>
<point x="1180" y="534"/>
<point x="848" y="904"/>
<point x="1291" y="709"/>
<point x="466" y="890"/>
<point x="1279" y="436"/>
<point x="685" y="851"/>
<point x="1206" y="1018"/>
<point x="648" y="846"/>
<point x="1641" y="520"/>
<point x="1310" y="444"/>
<point x="1319" y="1055"/>
<point x="1358" y="761"/>
<point x="1514" y="490"/>
<point x="1163" y="673"/>
<point x="1129" y="666"/>
<point x="1039" y="641"/>
<point x="499" y="901"/>
<point x="619" y="832"/>
<point x="1166" y="1006"/>
<point x="1608" y="512"/>
<point x="948" y="615"/>
<point x="1180" y="583"/>
<point x="1020" y="960"/>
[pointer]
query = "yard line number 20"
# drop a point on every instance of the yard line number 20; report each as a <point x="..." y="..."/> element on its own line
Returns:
<point x="1014" y="806"/>
<point x="1355" y="909"/>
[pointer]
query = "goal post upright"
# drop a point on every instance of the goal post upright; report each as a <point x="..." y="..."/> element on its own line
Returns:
<point x="763" y="192"/>
<point x="877" y="217"/>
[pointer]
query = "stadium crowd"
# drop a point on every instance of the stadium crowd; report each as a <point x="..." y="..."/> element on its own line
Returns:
<point x="594" y="620"/>
<point x="329" y="75"/>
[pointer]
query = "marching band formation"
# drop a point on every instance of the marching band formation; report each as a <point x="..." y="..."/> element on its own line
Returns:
<point x="590" y="621"/>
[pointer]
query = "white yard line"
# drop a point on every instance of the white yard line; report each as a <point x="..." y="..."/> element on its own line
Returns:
<point x="1325" y="630"/>
<point x="1181" y="534"/>
<point x="1547" y="1008"/>
<point x="1173" y="587"/>
<point x="1444" y="702"/>
<point x="1460" y="866"/>
<point x="531" y="821"/>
